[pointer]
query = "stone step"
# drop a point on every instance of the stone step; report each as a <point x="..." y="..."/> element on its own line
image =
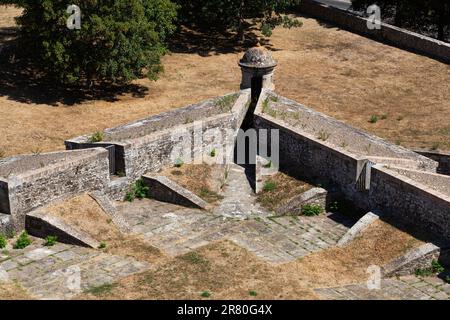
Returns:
<point x="166" y="190"/>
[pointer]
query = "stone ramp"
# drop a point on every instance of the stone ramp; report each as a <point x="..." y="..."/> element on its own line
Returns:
<point x="80" y="220"/>
<point x="162" y="188"/>
<point x="177" y="230"/>
<point x="239" y="199"/>
<point x="63" y="271"/>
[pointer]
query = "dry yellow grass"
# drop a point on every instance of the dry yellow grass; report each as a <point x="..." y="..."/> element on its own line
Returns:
<point x="13" y="291"/>
<point x="202" y="179"/>
<point x="331" y="70"/>
<point x="284" y="189"/>
<point x="228" y="271"/>
<point x="84" y="214"/>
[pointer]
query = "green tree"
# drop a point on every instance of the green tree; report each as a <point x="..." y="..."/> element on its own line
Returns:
<point x="119" y="40"/>
<point x="231" y="14"/>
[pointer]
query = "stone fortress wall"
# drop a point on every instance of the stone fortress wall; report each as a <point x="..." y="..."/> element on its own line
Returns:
<point x="31" y="181"/>
<point x="389" y="34"/>
<point x="404" y="184"/>
<point x="373" y="174"/>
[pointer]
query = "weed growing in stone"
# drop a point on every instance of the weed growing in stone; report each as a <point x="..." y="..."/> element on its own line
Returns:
<point x="274" y="98"/>
<point x="213" y="153"/>
<point x="138" y="191"/>
<point x="205" y="294"/>
<point x="97" y="137"/>
<point x="102" y="245"/>
<point x="178" y="163"/>
<point x="3" y="242"/>
<point x="323" y="135"/>
<point x="23" y="241"/>
<point x="268" y="165"/>
<point x="311" y="210"/>
<point x="50" y="241"/>
<point x="209" y="196"/>
<point x="226" y="103"/>
<point x="435" y="268"/>
<point x="253" y="293"/>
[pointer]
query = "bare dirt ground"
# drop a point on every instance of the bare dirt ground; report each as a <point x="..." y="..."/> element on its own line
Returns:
<point x="331" y="70"/>
<point x="206" y="181"/>
<point x="227" y="271"/>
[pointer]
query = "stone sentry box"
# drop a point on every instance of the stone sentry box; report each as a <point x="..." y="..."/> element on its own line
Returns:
<point x="146" y="145"/>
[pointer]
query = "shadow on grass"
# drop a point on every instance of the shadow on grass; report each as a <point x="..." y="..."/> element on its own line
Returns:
<point x="212" y="42"/>
<point x="20" y="82"/>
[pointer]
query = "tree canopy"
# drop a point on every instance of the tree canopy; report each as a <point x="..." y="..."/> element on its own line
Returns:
<point x="119" y="40"/>
<point x="226" y="14"/>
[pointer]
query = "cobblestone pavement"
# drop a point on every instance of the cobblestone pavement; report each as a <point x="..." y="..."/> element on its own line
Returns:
<point x="403" y="288"/>
<point x="178" y="230"/>
<point x="62" y="271"/>
<point x="239" y="199"/>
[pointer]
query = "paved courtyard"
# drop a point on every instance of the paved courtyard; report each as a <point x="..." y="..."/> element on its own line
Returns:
<point x="403" y="288"/>
<point x="63" y="271"/>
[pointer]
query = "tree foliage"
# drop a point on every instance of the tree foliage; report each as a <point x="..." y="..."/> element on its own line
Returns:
<point x="231" y="14"/>
<point x="119" y="40"/>
<point x="431" y="17"/>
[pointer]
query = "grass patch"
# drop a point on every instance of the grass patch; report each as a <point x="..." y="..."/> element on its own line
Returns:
<point x="205" y="294"/>
<point x="138" y="190"/>
<point x="97" y="137"/>
<point x="373" y="119"/>
<point x="101" y="290"/>
<point x="253" y="293"/>
<point x="195" y="259"/>
<point x="226" y="103"/>
<point x="269" y="186"/>
<point x="209" y="196"/>
<point x="311" y="210"/>
<point x="50" y="241"/>
<point x="23" y="241"/>
<point x="3" y="242"/>
<point x="434" y="268"/>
